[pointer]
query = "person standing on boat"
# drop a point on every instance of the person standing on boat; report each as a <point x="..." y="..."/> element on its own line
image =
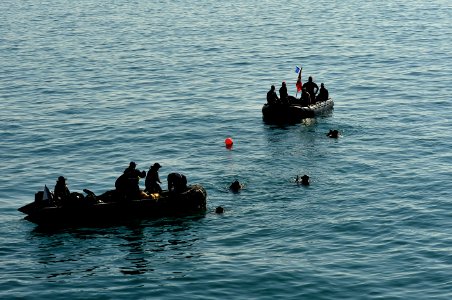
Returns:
<point x="312" y="88"/>
<point x="272" y="98"/>
<point x="323" y="93"/>
<point x="131" y="180"/>
<point x="61" y="192"/>
<point x="177" y="182"/>
<point x="283" y="94"/>
<point x="152" y="179"/>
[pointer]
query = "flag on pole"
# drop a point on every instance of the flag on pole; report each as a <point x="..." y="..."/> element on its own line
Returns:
<point x="297" y="69"/>
<point x="299" y="84"/>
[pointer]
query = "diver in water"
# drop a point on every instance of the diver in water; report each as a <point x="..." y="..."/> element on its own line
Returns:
<point x="333" y="134"/>
<point x="236" y="186"/>
<point x="303" y="180"/>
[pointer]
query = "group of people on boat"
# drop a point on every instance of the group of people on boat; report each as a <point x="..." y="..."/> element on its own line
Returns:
<point x="127" y="184"/>
<point x="310" y="94"/>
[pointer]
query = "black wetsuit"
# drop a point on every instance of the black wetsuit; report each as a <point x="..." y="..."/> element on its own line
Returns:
<point x="323" y="94"/>
<point x="177" y="182"/>
<point x="312" y="88"/>
<point x="128" y="182"/>
<point x="61" y="191"/>
<point x="152" y="181"/>
<point x="272" y="98"/>
<point x="283" y="95"/>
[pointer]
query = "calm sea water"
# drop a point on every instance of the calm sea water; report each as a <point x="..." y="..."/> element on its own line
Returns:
<point x="87" y="86"/>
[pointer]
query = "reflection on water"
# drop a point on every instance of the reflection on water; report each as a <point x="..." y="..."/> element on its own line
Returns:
<point x="133" y="248"/>
<point x="136" y="252"/>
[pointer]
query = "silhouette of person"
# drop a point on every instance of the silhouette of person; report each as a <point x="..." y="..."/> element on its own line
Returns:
<point x="305" y="97"/>
<point x="128" y="183"/>
<point x="235" y="186"/>
<point x="177" y="182"/>
<point x="312" y="88"/>
<point x="323" y="93"/>
<point x="152" y="179"/>
<point x="333" y="134"/>
<point x="283" y="95"/>
<point x="304" y="180"/>
<point x="61" y="191"/>
<point x="272" y="98"/>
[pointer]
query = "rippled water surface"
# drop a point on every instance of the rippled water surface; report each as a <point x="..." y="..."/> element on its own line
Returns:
<point x="87" y="86"/>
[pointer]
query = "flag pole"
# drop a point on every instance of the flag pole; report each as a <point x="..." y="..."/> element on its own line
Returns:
<point x="298" y="84"/>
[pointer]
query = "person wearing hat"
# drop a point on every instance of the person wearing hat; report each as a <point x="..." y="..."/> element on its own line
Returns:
<point x="133" y="173"/>
<point x="130" y="181"/>
<point x="61" y="191"/>
<point x="152" y="181"/>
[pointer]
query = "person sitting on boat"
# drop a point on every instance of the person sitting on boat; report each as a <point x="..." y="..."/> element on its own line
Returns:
<point x="128" y="182"/>
<point x="272" y="98"/>
<point x="152" y="181"/>
<point x="61" y="192"/>
<point x="177" y="182"/>
<point x="283" y="94"/>
<point x="312" y="88"/>
<point x="305" y="97"/>
<point x="323" y="93"/>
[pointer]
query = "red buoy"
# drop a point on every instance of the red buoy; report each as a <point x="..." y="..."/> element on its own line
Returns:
<point x="228" y="142"/>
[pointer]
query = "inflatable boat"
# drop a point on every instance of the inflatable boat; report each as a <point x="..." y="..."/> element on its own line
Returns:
<point x="290" y="113"/>
<point x="113" y="207"/>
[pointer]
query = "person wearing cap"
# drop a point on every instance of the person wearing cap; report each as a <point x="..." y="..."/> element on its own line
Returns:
<point x="152" y="181"/>
<point x="133" y="173"/>
<point x="177" y="182"/>
<point x="61" y="191"/>
<point x="130" y="182"/>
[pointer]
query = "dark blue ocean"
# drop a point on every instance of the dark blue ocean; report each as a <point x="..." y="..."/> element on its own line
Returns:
<point x="88" y="86"/>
